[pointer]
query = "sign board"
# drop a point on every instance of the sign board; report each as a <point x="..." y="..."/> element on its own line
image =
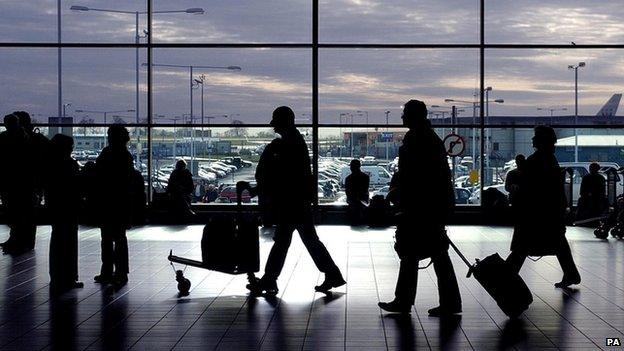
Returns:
<point x="454" y="144"/>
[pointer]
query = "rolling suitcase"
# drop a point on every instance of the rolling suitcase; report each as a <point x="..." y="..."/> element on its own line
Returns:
<point x="504" y="285"/>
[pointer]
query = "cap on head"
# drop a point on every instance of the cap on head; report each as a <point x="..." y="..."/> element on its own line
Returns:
<point x="415" y="109"/>
<point x="355" y="164"/>
<point x="283" y="116"/>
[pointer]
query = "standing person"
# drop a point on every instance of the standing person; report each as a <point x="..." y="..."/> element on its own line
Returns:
<point x="356" y="189"/>
<point x="283" y="174"/>
<point x="31" y="183"/>
<point x="541" y="230"/>
<point x="180" y="189"/>
<point x="114" y="168"/>
<point x="514" y="178"/>
<point x="62" y="192"/>
<point x="593" y="194"/>
<point x="12" y="154"/>
<point x="423" y="175"/>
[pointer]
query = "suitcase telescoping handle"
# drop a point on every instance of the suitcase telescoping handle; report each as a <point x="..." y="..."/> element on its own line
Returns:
<point x="461" y="255"/>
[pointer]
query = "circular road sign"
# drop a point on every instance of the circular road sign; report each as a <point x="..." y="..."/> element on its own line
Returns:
<point x="454" y="144"/>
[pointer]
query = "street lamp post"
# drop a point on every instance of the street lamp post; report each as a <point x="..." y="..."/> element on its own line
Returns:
<point x="191" y="68"/>
<point x="575" y="68"/>
<point x="487" y="119"/>
<point x="387" y="113"/>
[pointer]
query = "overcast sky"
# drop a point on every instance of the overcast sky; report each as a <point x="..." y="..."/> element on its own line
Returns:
<point x="349" y="80"/>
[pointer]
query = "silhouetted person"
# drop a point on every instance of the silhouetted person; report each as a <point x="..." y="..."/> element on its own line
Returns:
<point x="514" y="178"/>
<point x="62" y="192"/>
<point x="31" y="183"/>
<point x="593" y="200"/>
<point x="424" y="194"/>
<point x="542" y="202"/>
<point x="211" y="194"/>
<point x="284" y="175"/>
<point x="12" y="149"/>
<point x="356" y="189"/>
<point x="114" y="168"/>
<point x="19" y="186"/>
<point x="89" y="193"/>
<point x="199" y="191"/>
<point x="180" y="189"/>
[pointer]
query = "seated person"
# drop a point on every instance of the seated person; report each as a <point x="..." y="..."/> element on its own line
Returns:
<point x="356" y="188"/>
<point x="180" y="189"/>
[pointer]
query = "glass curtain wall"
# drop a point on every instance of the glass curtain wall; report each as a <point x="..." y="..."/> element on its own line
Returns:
<point x="198" y="80"/>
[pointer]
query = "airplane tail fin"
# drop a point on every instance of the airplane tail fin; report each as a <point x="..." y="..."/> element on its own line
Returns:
<point x="610" y="108"/>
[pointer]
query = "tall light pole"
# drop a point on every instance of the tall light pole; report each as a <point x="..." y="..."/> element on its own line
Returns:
<point x="487" y="119"/>
<point x="191" y="68"/>
<point x="387" y="113"/>
<point x="575" y="68"/>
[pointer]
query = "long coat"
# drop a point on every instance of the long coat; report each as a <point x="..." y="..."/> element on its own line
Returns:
<point x="114" y="168"/>
<point x="542" y="204"/>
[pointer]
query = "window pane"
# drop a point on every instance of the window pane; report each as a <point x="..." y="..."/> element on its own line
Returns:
<point x="100" y="85"/>
<point x="28" y="21"/>
<point x="217" y="158"/>
<point x="395" y="21"/>
<point x="555" y="22"/>
<point x="537" y="86"/>
<point x="360" y="85"/>
<point x="273" y="21"/>
<point x="338" y="146"/>
<point x="267" y="79"/>
<point x="29" y="82"/>
<point x="96" y="21"/>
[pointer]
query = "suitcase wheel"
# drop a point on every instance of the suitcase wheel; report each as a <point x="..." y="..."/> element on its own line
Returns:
<point x="601" y="232"/>
<point x="184" y="285"/>
<point x="617" y="232"/>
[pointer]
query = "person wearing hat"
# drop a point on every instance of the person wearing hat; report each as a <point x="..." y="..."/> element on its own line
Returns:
<point x="286" y="187"/>
<point x="542" y="204"/>
<point x="423" y="192"/>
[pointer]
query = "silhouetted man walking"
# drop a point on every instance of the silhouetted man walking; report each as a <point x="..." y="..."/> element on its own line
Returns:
<point x="514" y="178"/>
<point x="424" y="195"/>
<point x="284" y="175"/>
<point x="542" y="201"/>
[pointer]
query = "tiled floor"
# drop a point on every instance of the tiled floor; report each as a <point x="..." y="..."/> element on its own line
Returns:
<point x="147" y="315"/>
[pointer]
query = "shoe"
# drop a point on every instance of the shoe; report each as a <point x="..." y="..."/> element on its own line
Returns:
<point x="266" y="286"/>
<point x="120" y="280"/>
<point x="77" y="285"/>
<point x="103" y="279"/>
<point x="443" y="311"/>
<point x="395" y="307"/>
<point x="330" y="282"/>
<point x="565" y="282"/>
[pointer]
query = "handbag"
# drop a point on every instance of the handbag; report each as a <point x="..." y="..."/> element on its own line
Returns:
<point x="417" y="241"/>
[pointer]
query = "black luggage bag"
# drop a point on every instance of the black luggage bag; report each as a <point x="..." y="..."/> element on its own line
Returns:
<point x="230" y="244"/>
<point x="504" y="285"/>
